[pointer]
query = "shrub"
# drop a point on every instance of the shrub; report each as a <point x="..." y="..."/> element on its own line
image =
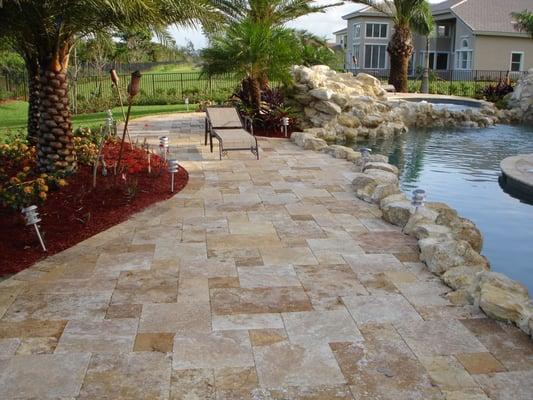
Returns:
<point x="19" y="185"/>
<point x="86" y="145"/>
<point x="496" y="92"/>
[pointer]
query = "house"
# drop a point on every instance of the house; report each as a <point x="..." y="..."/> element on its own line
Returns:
<point x="341" y="38"/>
<point x="469" y="35"/>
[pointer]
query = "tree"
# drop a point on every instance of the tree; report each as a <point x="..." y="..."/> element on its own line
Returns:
<point x="425" y="28"/>
<point x="251" y="24"/>
<point x="524" y="21"/>
<point x="315" y="50"/>
<point x="252" y="51"/>
<point x="48" y="29"/>
<point x="407" y="16"/>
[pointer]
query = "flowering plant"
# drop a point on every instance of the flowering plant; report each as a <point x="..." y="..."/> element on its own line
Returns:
<point x="19" y="186"/>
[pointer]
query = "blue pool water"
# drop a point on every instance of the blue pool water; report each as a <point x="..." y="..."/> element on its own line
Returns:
<point x="461" y="168"/>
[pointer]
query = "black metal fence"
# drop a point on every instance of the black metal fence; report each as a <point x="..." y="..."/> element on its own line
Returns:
<point x="466" y="83"/>
<point x="175" y="87"/>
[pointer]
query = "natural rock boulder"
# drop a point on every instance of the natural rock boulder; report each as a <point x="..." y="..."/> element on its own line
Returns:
<point x="338" y="151"/>
<point x="464" y="229"/>
<point x="397" y="212"/>
<point x="441" y="256"/>
<point x="462" y="277"/>
<point x="502" y="298"/>
<point x="382" y="166"/>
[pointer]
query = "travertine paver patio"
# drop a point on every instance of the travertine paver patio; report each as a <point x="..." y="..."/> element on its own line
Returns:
<point x="260" y="280"/>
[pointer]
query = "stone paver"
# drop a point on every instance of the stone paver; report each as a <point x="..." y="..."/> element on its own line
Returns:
<point x="260" y="280"/>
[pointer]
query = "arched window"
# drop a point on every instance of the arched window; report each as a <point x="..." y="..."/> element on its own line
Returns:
<point x="464" y="43"/>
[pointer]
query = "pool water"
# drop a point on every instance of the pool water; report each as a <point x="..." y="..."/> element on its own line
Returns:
<point x="461" y="168"/>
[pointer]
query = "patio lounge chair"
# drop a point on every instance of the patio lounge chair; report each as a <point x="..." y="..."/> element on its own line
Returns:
<point x="225" y="125"/>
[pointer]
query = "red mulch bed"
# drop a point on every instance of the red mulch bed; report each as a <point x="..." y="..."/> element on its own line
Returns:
<point x="77" y="212"/>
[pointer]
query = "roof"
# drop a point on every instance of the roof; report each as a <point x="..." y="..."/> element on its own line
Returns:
<point x="482" y="16"/>
<point x="489" y="16"/>
<point x="341" y="31"/>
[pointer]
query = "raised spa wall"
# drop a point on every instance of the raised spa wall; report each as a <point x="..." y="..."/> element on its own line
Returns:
<point x="449" y="245"/>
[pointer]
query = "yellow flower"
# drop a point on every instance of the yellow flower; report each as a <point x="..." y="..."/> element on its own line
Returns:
<point x="62" y="182"/>
<point x="43" y="188"/>
<point x="14" y="180"/>
<point x="25" y="169"/>
<point x="44" y="176"/>
<point x="42" y="195"/>
<point x="40" y="181"/>
<point x="28" y="189"/>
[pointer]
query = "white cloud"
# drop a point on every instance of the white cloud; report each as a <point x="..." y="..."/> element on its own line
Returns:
<point x="322" y="24"/>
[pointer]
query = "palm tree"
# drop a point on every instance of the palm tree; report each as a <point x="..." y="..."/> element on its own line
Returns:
<point x="252" y="51"/>
<point x="524" y="21"/>
<point x="315" y="49"/>
<point x="407" y="16"/>
<point x="251" y="24"/>
<point x="425" y="28"/>
<point x="50" y="28"/>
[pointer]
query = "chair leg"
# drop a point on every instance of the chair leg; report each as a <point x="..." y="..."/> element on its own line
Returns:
<point x="211" y="142"/>
<point x="220" y="150"/>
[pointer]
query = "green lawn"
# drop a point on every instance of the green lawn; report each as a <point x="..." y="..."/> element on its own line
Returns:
<point x="13" y="115"/>
<point x="172" y="68"/>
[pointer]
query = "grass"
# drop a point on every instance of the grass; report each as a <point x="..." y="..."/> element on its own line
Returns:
<point x="172" y="68"/>
<point x="13" y="115"/>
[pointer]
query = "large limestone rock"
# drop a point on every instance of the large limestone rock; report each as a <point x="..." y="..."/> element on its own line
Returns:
<point x="338" y="151"/>
<point x="382" y="166"/>
<point x="521" y="99"/>
<point x="397" y="212"/>
<point x="462" y="277"/>
<point x="502" y="298"/>
<point x="441" y="256"/>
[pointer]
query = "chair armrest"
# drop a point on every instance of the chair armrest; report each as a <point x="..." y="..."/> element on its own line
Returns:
<point x="248" y="122"/>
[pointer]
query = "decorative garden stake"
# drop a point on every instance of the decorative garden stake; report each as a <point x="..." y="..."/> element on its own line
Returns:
<point x="173" y="167"/>
<point x="32" y="218"/>
<point x="133" y="89"/>
<point x="187" y="103"/>
<point x="114" y="83"/>
<point x="163" y="146"/>
<point x="365" y="153"/>
<point x="418" y="199"/>
<point x="285" y="124"/>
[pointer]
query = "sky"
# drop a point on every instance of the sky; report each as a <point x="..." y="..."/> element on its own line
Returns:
<point x="321" y="24"/>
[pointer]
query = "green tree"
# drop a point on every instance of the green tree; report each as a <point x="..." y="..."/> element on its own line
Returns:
<point x="244" y="47"/>
<point x="252" y="51"/>
<point x="524" y="21"/>
<point x="315" y="50"/>
<point x="407" y="16"/>
<point x="47" y="30"/>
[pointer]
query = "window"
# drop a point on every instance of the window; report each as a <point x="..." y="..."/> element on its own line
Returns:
<point x="516" y="61"/>
<point x="345" y="41"/>
<point x="438" y="61"/>
<point x="443" y="31"/>
<point x="464" y="59"/>
<point x="376" y="30"/>
<point x="355" y="55"/>
<point x="356" y="31"/>
<point x="375" y="56"/>
<point x="464" y="43"/>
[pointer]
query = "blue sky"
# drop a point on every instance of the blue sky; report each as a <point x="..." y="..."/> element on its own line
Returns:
<point x="322" y="24"/>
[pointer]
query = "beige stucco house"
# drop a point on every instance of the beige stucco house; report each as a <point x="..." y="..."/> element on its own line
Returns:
<point x="469" y="35"/>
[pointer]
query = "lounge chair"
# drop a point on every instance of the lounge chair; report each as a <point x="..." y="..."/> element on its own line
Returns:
<point x="225" y="125"/>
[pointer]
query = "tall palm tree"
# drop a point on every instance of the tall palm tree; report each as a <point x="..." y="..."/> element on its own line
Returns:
<point x="425" y="28"/>
<point x="252" y="51"/>
<point x="407" y="16"/>
<point x="524" y="21"/>
<point x="50" y="28"/>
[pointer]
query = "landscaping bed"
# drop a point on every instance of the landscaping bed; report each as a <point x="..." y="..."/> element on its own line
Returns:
<point x="75" y="211"/>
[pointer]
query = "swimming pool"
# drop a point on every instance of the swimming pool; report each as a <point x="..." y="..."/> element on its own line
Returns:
<point x="460" y="167"/>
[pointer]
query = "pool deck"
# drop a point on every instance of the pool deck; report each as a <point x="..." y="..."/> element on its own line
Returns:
<point x="518" y="172"/>
<point x="260" y="280"/>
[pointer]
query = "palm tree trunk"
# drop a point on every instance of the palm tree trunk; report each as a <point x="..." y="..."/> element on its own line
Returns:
<point x="55" y="149"/>
<point x="425" y="76"/>
<point x="400" y="49"/>
<point x="255" y="91"/>
<point x="34" y="93"/>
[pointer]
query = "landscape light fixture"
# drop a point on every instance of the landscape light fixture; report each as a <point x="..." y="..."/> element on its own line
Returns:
<point x="187" y="103"/>
<point x="365" y="154"/>
<point x="285" y="124"/>
<point x="419" y="198"/>
<point x="173" y="167"/>
<point x="32" y="218"/>
<point x="163" y="146"/>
